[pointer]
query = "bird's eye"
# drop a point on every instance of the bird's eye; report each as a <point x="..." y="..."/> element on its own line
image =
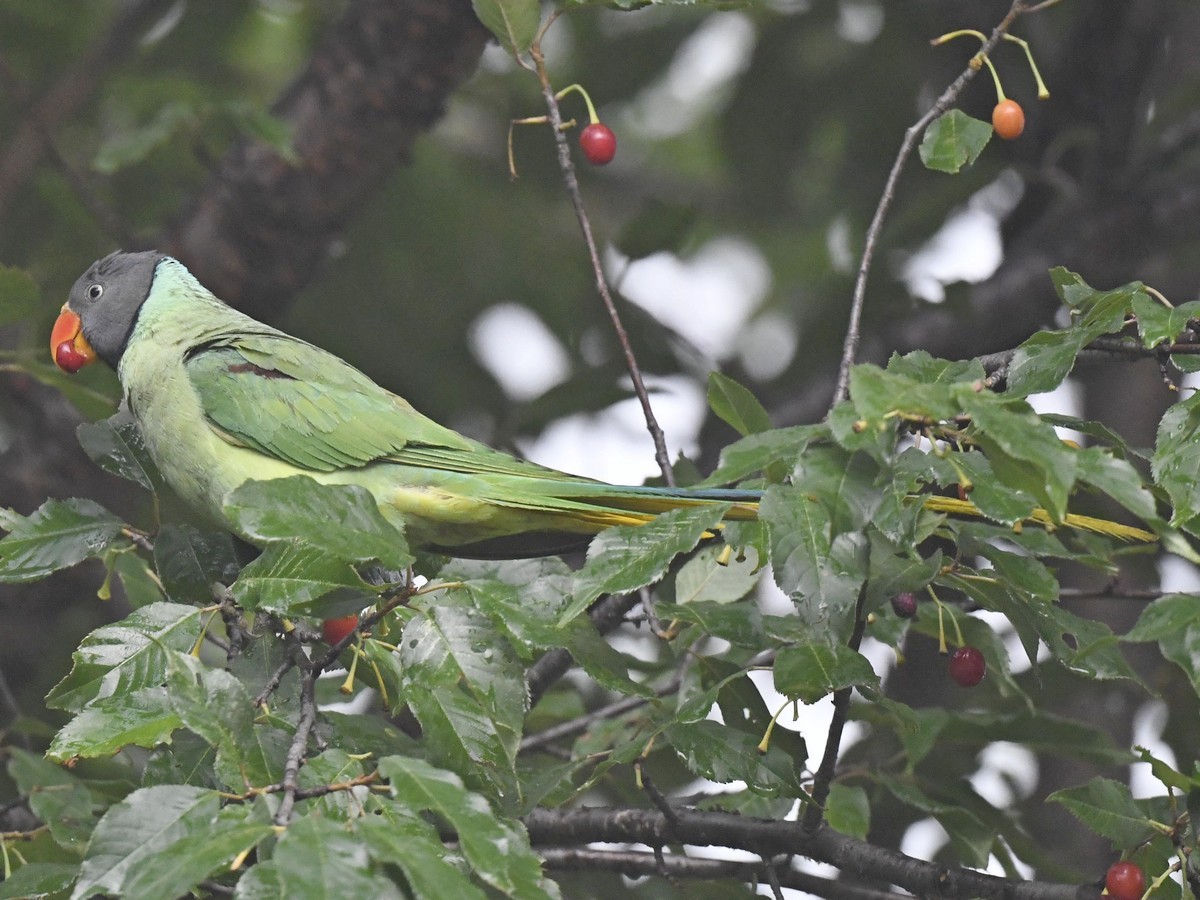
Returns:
<point x="95" y="290"/>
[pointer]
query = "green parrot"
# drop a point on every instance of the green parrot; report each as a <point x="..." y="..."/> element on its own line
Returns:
<point x="222" y="399"/>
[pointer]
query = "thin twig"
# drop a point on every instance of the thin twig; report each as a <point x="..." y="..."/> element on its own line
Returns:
<point x="853" y="329"/>
<point x="582" y="723"/>
<point x="304" y="724"/>
<point x="585" y="225"/>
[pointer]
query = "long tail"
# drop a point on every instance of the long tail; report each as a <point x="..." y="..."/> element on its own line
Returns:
<point x="956" y="507"/>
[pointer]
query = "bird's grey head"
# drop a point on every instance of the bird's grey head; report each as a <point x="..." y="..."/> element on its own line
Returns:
<point x="107" y="299"/>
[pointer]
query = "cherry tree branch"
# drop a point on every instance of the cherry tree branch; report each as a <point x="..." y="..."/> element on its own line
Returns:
<point x="585" y="225"/>
<point x="911" y="136"/>
<point x="770" y="837"/>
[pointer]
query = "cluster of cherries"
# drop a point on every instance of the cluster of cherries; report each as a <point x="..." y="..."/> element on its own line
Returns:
<point x="967" y="665"/>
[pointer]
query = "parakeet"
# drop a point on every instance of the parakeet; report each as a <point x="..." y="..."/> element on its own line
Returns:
<point x="222" y="399"/>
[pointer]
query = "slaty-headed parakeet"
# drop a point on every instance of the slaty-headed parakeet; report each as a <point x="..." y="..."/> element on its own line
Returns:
<point x="221" y="399"/>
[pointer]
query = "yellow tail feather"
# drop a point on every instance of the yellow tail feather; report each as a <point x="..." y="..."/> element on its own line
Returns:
<point x="954" y="506"/>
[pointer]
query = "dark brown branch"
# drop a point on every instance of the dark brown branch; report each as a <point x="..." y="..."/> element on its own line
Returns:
<point x="770" y="837"/>
<point x="636" y="863"/>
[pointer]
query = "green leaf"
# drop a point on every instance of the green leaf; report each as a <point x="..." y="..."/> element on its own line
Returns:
<point x="415" y="849"/>
<point x="822" y="573"/>
<point x="513" y="22"/>
<point x="736" y="405"/>
<point x="290" y="577"/>
<point x="763" y="452"/>
<point x="163" y="841"/>
<point x="116" y="445"/>
<point x="706" y="577"/>
<point x="318" y="858"/>
<point x="524" y="598"/>
<point x="465" y="686"/>
<point x="128" y="146"/>
<point x="1159" y="324"/>
<point x="216" y="706"/>
<point x="343" y="520"/>
<point x="56" y="796"/>
<point x="132" y="654"/>
<point x="1042" y="362"/>
<point x="497" y="850"/>
<point x="848" y="810"/>
<point x="19" y="295"/>
<point x="140" y="718"/>
<point x="953" y="140"/>
<point x="741" y="624"/>
<point x="1174" y="622"/>
<point x="1108" y="808"/>
<point x="722" y="754"/>
<point x="1176" y="461"/>
<point x="629" y="557"/>
<point x="60" y="534"/>
<point x="190" y="561"/>
<point x="36" y="880"/>
<point x="811" y="671"/>
<point x="971" y="838"/>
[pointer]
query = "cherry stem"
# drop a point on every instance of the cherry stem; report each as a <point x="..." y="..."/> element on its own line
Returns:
<point x="579" y="89"/>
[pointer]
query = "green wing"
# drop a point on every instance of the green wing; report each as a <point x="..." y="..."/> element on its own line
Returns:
<point x="286" y="398"/>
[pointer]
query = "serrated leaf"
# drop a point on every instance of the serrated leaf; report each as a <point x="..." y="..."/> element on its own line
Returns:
<point x="822" y="573"/>
<point x="971" y="838"/>
<point x="721" y="754"/>
<point x="1159" y="324"/>
<point x="513" y="22"/>
<point x="710" y="576"/>
<point x="953" y="140"/>
<point x="465" y="686"/>
<point x="36" y="880"/>
<point x="1108" y="808"/>
<point x="772" y="450"/>
<point x="216" y="706"/>
<point x="734" y="404"/>
<point x="116" y="445"/>
<point x="1174" y="622"/>
<point x="629" y="557"/>
<point x="159" y="841"/>
<point x="140" y="718"/>
<point x="318" y="858"/>
<point x="56" y="796"/>
<point x="420" y="856"/>
<point x="124" y="657"/>
<point x="812" y="671"/>
<point x="1176" y="461"/>
<point x="524" y="598"/>
<point x="19" y="295"/>
<point x="343" y="520"/>
<point x="58" y="535"/>
<point x="498" y="851"/>
<point x="290" y="576"/>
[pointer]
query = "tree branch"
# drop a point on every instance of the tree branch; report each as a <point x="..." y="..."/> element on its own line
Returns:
<point x="769" y="837"/>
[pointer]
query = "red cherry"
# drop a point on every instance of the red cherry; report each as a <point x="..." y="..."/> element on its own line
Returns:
<point x="1008" y="119"/>
<point x="598" y="144"/>
<point x="904" y="605"/>
<point x="1125" y="881"/>
<point x="967" y="666"/>
<point x="333" y="630"/>
<point x="67" y="358"/>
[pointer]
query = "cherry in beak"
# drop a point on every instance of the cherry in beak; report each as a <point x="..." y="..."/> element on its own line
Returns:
<point x="69" y="348"/>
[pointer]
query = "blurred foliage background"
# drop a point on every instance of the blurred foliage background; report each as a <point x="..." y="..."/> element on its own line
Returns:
<point x="761" y="133"/>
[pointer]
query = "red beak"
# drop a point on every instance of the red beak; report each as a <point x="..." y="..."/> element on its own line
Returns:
<point x="69" y="348"/>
